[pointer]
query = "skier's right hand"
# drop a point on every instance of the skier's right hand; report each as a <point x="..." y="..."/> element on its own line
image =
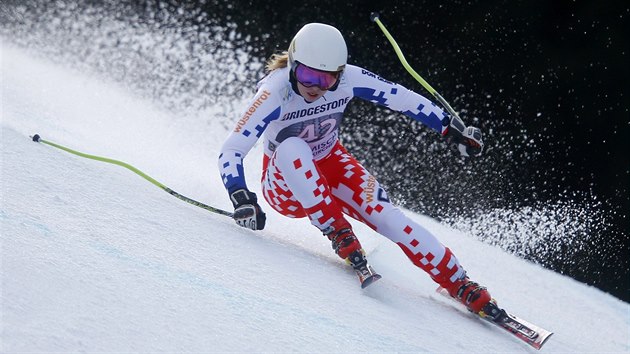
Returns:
<point x="247" y="212"/>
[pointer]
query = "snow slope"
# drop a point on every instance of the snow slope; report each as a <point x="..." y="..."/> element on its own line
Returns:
<point x="96" y="259"/>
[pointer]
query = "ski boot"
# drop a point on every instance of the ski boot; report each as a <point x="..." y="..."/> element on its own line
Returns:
<point x="344" y="242"/>
<point x="348" y="247"/>
<point x="474" y="296"/>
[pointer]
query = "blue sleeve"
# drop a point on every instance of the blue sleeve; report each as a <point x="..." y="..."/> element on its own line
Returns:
<point x="373" y="88"/>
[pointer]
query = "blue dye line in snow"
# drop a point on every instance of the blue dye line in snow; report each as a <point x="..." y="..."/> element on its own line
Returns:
<point x="244" y="302"/>
<point x="25" y="221"/>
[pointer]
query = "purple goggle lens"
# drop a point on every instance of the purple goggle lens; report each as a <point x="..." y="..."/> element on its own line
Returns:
<point x="310" y="77"/>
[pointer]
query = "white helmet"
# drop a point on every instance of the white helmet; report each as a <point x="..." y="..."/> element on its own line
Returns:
<point x="320" y="47"/>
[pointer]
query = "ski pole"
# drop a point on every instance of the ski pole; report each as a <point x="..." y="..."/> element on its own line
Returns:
<point x="38" y="139"/>
<point x="401" y="57"/>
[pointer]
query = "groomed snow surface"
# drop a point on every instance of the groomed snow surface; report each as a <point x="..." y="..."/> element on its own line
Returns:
<point x="96" y="259"/>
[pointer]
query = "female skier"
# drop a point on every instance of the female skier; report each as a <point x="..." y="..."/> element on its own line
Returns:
<point x="299" y="106"/>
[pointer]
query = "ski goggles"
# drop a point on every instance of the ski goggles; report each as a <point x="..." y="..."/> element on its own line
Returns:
<point x="310" y="77"/>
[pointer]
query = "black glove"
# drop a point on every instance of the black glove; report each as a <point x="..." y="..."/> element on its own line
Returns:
<point x="468" y="140"/>
<point x="247" y="212"/>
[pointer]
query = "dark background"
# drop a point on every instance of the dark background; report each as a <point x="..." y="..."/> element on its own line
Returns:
<point x="544" y="80"/>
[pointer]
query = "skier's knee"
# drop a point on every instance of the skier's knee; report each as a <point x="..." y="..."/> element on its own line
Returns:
<point x="291" y="149"/>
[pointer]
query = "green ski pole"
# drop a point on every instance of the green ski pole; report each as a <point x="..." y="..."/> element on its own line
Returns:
<point x="38" y="139"/>
<point x="401" y="57"/>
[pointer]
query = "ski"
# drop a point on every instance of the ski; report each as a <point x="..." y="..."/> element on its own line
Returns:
<point x="366" y="275"/>
<point x="364" y="271"/>
<point x="529" y="333"/>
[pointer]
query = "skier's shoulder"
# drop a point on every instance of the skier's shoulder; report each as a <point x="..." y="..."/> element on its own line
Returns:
<point x="357" y="76"/>
<point x="276" y="84"/>
<point x="351" y="72"/>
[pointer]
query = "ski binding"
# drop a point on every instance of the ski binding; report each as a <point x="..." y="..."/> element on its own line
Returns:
<point x="527" y="332"/>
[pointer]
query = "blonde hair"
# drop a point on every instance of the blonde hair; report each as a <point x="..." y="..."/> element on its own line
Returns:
<point x="277" y="61"/>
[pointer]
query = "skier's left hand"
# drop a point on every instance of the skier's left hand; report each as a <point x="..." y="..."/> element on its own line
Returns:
<point x="468" y="140"/>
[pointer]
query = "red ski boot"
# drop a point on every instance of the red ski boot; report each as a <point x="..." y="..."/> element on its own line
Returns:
<point x="348" y="247"/>
<point x="344" y="242"/>
<point x="474" y="296"/>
